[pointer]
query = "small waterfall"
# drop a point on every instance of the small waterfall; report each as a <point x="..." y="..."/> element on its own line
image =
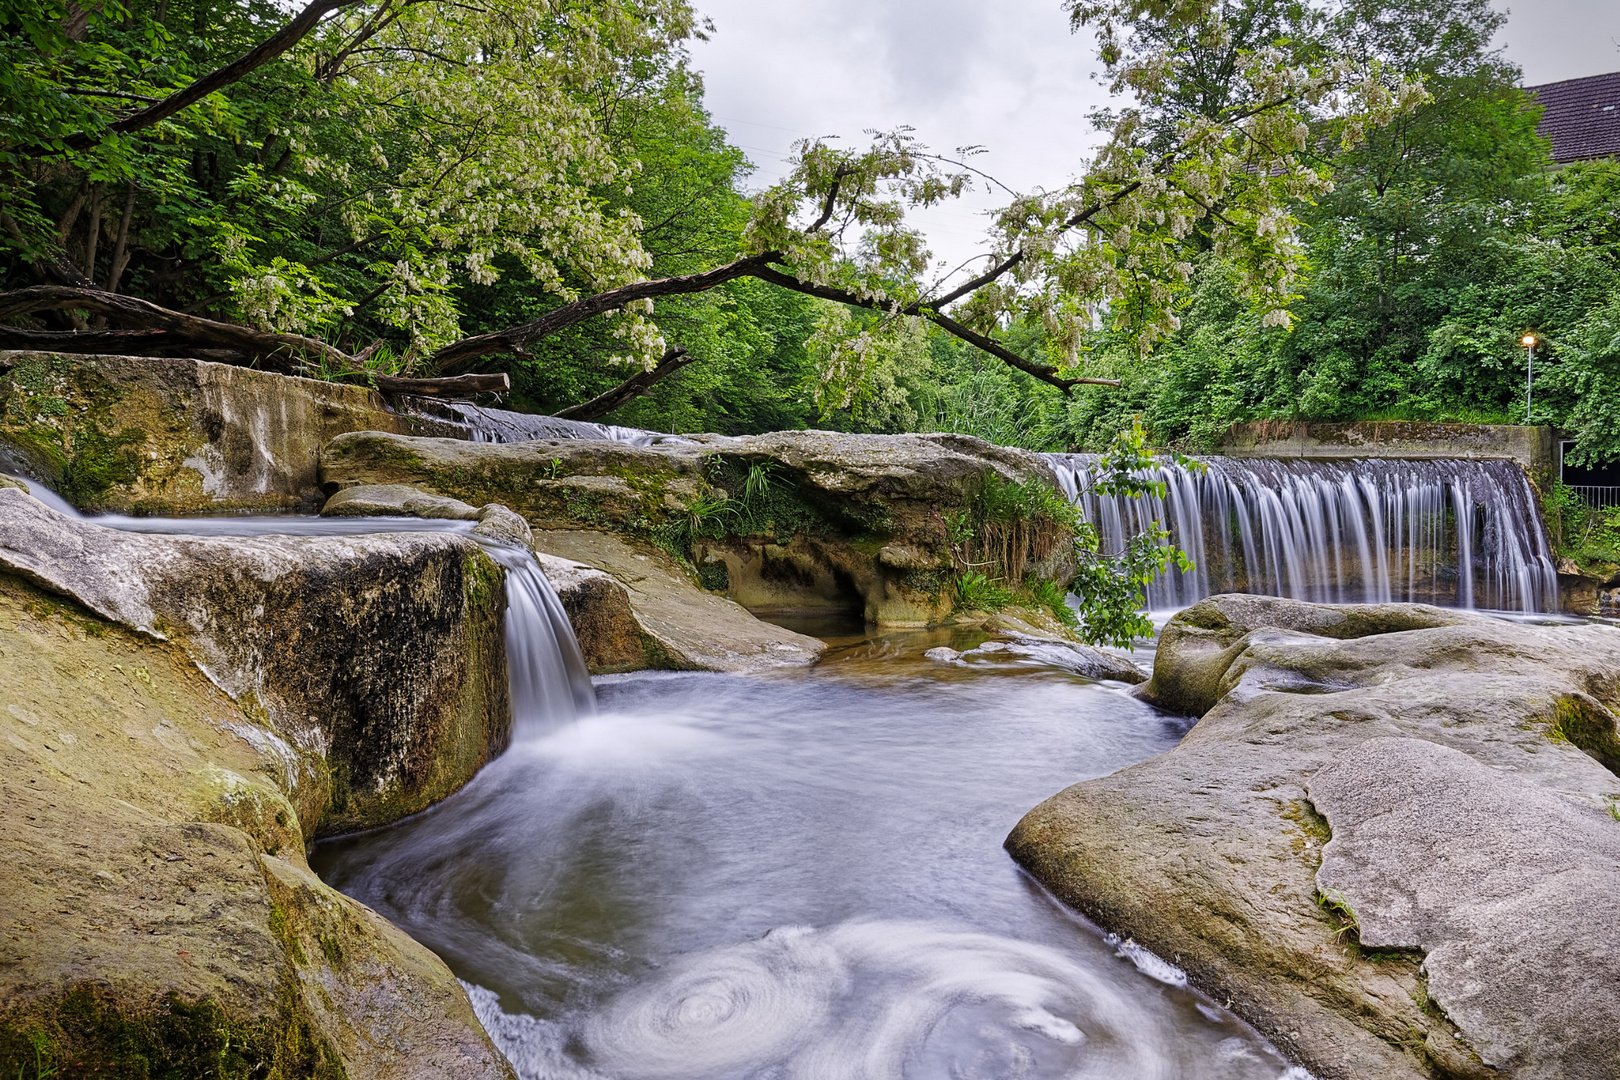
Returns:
<point x="479" y="424"/>
<point x="1452" y="532"/>
<point x="547" y="680"/>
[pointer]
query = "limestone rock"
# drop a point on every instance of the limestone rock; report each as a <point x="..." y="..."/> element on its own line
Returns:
<point x="158" y="908"/>
<point x="943" y="654"/>
<point x="175" y="436"/>
<point x="1418" y="730"/>
<point x="790" y="522"/>
<point x="1488" y="875"/>
<point x="398" y="500"/>
<point x="376" y="660"/>
<point x="496" y="522"/>
<point x="672" y="624"/>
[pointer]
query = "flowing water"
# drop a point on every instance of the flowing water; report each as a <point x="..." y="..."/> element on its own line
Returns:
<point x="478" y="423"/>
<point x="796" y="875"/>
<point x="1453" y="532"/>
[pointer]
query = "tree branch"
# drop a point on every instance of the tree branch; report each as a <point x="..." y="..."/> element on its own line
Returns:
<point x="515" y="338"/>
<point x="630" y="389"/>
<point x="1044" y="372"/>
<point x="256" y="57"/>
<point x="278" y="348"/>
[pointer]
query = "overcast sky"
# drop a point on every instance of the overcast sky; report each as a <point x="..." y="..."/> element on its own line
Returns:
<point x="1004" y="74"/>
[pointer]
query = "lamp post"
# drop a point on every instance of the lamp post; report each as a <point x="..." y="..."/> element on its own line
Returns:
<point x="1529" y="341"/>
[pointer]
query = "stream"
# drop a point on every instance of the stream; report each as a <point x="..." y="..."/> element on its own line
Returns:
<point x="797" y="875"/>
<point x="793" y="876"/>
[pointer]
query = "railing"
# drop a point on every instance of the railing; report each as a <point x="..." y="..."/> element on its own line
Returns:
<point x="1598" y="496"/>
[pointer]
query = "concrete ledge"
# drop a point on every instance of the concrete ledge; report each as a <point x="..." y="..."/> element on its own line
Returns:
<point x="1534" y="448"/>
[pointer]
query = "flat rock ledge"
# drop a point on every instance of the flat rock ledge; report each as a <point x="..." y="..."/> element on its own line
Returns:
<point x="180" y="716"/>
<point x="632" y="607"/>
<point x="1392" y="841"/>
<point x="793" y="522"/>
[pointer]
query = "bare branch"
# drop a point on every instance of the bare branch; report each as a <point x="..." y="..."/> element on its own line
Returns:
<point x="630" y="389"/>
<point x="131" y="311"/>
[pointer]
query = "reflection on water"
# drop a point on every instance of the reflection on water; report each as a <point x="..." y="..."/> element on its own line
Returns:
<point x="796" y="876"/>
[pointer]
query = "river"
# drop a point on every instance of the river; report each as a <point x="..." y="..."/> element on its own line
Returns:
<point x="796" y="875"/>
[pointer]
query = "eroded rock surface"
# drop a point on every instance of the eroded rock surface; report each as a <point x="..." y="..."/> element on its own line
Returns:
<point x="176" y="436"/>
<point x="375" y="660"/>
<point x="673" y="624"/>
<point x="630" y="608"/>
<point x="158" y="915"/>
<point x="789" y="522"/>
<point x="1440" y="780"/>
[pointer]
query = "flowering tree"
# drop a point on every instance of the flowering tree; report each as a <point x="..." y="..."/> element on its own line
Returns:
<point x="381" y="153"/>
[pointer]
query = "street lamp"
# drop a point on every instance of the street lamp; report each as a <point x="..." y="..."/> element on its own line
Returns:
<point x="1529" y="342"/>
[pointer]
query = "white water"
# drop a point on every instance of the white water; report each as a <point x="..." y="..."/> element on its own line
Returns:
<point x="1453" y="532"/>
<point x="480" y="424"/>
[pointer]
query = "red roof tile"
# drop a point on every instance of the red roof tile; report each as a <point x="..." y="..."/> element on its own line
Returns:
<point x="1581" y="117"/>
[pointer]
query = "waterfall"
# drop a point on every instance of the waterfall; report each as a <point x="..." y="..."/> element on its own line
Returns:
<point x="545" y="670"/>
<point x="1452" y="532"/>
<point x="479" y="424"/>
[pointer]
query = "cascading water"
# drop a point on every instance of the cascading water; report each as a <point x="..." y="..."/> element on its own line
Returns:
<point x="479" y="424"/>
<point x="1453" y="532"/>
<point x="545" y="668"/>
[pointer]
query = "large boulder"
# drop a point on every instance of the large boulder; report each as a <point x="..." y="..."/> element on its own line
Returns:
<point x="786" y="523"/>
<point x="176" y="436"/>
<point x="168" y="753"/>
<point x="1390" y="841"/>
<point x="375" y="661"/>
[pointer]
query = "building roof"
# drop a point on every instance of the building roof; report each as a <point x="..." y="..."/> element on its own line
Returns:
<point x="1581" y="117"/>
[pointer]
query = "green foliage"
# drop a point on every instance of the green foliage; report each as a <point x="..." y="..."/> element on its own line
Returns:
<point x="1049" y="595"/>
<point x="976" y="592"/>
<point x="1112" y="585"/>
<point x="1588" y="535"/>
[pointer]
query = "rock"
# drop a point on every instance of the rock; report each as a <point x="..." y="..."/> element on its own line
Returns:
<point x="396" y="500"/>
<point x="610" y="637"/>
<point x="13" y="482"/>
<point x="672" y="624"/>
<point x="376" y="660"/>
<point x="943" y="655"/>
<point x="176" y="436"/>
<point x="790" y="522"/>
<point x="158" y="908"/>
<point x="496" y="522"/>
<point x="1485" y="873"/>
<point x="1405" y="722"/>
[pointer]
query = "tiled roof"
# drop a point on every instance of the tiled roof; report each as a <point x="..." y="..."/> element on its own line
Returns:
<point x="1581" y="117"/>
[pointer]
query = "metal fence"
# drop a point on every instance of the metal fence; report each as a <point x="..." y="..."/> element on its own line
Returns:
<point x="1598" y="496"/>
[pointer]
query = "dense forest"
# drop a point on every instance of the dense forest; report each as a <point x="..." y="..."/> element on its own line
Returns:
<point x="403" y="176"/>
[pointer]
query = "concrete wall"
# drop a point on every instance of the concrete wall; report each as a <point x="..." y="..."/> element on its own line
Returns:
<point x="1534" y="448"/>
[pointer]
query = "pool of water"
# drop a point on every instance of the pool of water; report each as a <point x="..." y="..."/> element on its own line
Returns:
<point x="796" y="875"/>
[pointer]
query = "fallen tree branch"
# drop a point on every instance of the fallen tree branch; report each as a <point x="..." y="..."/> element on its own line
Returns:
<point x="112" y="342"/>
<point x="450" y="386"/>
<point x="280" y="349"/>
<point x="630" y="389"/>
<point x="513" y="339"/>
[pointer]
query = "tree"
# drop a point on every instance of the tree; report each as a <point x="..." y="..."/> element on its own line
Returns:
<point x="412" y="144"/>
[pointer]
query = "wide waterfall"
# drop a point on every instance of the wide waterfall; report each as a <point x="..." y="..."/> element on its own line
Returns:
<point x="1451" y="532"/>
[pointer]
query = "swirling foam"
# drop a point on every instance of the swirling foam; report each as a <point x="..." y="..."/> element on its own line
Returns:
<point x="865" y="1000"/>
